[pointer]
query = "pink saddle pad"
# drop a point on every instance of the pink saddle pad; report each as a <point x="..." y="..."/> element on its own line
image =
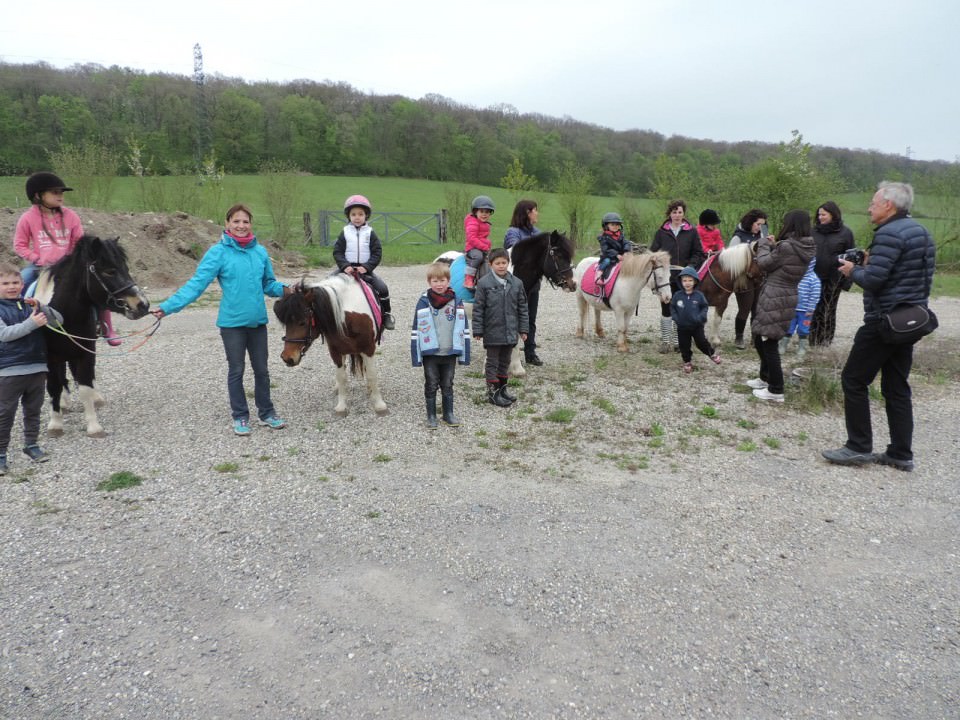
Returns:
<point x="588" y="283"/>
<point x="374" y="305"/>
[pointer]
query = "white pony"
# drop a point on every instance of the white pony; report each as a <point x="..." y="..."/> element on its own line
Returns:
<point x="637" y="271"/>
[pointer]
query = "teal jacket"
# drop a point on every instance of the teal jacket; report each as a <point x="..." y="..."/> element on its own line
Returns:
<point x="245" y="275"/>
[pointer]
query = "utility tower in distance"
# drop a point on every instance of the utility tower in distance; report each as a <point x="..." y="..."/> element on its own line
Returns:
<point x="203" y="136"/>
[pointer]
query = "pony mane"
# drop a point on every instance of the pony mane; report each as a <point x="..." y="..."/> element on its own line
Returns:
<point x="89" y="249"/>
<point x="736" y="260"/>
<point x="531" y="248"/>
<point x="639" y="264"/>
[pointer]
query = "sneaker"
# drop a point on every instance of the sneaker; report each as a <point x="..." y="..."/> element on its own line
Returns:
<point x="846" y="456"/>
<point x="273" y="422"/>
<point x="757" y="384"/>
<point x="3" y="464"/>
<point x="36" y="453"/>
<point x="688" y="368"/>
<point x="905" y="465"/>
<point x="388" y="324"/>
<point x="764" y="394"/>
<point x="739" y="343"/>
<point x="716" y="358"/>
<point x="241" y="426"/>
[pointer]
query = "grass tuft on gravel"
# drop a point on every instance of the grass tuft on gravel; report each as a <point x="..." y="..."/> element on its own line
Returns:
<point x="119" y="481"/>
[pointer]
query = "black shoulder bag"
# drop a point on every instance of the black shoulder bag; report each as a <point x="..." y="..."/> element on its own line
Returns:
<point x="906" y="324"/>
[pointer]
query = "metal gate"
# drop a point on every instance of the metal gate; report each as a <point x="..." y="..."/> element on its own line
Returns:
<point x="409" y="228"/>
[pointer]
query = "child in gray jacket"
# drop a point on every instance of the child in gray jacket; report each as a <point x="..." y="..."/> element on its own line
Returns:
<point x="500" y="320"/>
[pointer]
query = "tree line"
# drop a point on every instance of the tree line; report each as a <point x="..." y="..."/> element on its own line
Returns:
<point x="166" y="124"/>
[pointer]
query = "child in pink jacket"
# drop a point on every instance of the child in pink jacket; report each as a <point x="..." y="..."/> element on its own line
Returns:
<point x="476" y="227"/>
<point x="48" y="232"/>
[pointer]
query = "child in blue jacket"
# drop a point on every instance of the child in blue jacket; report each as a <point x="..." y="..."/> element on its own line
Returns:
<point x="440" y="339"/>
<point x="808" y="295"/>
<point x="688" y="308"/>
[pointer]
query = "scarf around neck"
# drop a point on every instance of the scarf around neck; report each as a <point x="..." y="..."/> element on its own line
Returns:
<point x="241" y="241"/>
<point x="438" y="300"/>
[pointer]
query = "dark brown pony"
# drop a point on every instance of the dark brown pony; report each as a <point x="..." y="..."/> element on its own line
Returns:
<point x="735" y="269"/>
<point x="92" y="277"/>
<point x="336" y="310"/>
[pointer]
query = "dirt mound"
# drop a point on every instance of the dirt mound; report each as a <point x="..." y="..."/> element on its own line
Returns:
<point x="163" y="248"/>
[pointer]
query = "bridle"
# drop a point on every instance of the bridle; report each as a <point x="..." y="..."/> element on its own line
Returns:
<point x="555" y="278"/>
<point x="306" y="340"/>
<point x="113" y="296"/>
<point x="653" y="276"/>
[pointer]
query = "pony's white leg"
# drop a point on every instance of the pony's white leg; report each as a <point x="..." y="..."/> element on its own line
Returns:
<point x="341" y="407"/>
<point x="373" y="385"/>
<point x="623" y="322"/>
<point x="582" y="310"/>
<point x="713" y="327"/>
<point x="55" y="426"/>
<point x="88" y="396"/>
<point x="516" y="368"/>
<point x="598" y="323"/>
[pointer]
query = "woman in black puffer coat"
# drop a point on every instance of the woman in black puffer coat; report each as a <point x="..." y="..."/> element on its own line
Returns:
<point x="832" y="239"/>
<point x="784" y="261"/>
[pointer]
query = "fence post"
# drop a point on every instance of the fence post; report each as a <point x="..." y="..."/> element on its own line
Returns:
<point x="442" y="228"/>
<point x="307" y="229"/>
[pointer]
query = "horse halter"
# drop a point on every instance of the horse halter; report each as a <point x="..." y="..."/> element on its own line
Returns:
<point x="556" y="277"/>
<point x="306" y="340"/>
<point x="653" y="274"/>
<point x="113" y="296"/>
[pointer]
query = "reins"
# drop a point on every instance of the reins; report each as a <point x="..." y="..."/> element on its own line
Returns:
<point x="79" y="339"/>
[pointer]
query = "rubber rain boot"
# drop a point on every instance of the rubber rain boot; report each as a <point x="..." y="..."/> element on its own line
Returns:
<point x="448" y="417"/>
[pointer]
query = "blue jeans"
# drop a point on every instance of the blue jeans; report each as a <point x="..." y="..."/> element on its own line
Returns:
<point x="237" y="342"/>
<point x="28" y="274"/>
<point x="868" y="356"/>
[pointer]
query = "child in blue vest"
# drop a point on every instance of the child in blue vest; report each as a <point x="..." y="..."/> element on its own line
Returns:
<point x="23" y="363"/>
<point x="439" y="340"/>
<point x="688" y="308"/>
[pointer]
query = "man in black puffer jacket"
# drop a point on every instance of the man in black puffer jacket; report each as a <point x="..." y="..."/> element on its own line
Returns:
<point x="899" y="269"/>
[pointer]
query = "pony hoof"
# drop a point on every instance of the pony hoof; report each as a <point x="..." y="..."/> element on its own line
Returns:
<point x="622" y="348"/>
<point x="55" y="432"/>
<point x="341" y="413"/>
<point x="578" y="333"/>
<point x="97" y="434"/>
<point x="383" y="413"/>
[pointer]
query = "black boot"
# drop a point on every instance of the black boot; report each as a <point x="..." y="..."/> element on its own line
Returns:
<point x="448" y="417"/>
<point x="494" y="397"/>
<point x="505" y="391"/>
<point x="532" y="358"/>
<point x="431" y="401"/>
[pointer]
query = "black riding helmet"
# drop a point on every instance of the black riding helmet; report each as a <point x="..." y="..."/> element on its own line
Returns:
<point x="40" y="182"/>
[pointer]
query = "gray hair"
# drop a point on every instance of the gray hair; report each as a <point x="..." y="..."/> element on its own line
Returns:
<point x="899" y="193"/>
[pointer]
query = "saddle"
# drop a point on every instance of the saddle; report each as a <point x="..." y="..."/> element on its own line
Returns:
<point x="705" y="268"/>
<point x="600" y="293"/>
<point x="374" y="302"/>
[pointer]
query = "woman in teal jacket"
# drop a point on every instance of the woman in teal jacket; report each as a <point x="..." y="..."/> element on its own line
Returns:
<point x="243" y="269"/>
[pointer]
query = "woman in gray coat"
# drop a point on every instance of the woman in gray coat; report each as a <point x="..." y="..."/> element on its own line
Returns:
<point x="784" y="261"/>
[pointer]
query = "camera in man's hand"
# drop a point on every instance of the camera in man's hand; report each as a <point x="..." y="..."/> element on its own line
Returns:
<point x="853" y="255"/>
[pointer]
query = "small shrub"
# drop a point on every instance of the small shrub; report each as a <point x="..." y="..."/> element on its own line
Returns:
<point x="709" y="411"/>
<point x="747" y="446"/>
<point x="382" y="458"/>
<point x="772" y="443"/>
<point x="226" y="467"/>
<point x="119" y="481"/>
<point x="560" y="415"/>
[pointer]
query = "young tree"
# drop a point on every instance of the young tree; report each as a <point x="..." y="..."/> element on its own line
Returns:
<point x="574" y="186"/>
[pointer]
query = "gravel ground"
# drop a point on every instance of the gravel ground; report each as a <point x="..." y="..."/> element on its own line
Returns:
<point x="642" y="560"/>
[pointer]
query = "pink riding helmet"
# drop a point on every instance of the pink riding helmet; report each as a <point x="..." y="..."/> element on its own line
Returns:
<point x="357" y="201"/>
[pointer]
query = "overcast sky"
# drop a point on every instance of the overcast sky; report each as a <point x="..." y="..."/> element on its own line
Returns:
<point x="877" y="75"/>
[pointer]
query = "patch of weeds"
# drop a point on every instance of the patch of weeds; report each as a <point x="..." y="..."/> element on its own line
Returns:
<point x="560" y="415"/>
<point x="875" y="394"/>
<point x="263" y="458"/>
<point x="382" y="457"/>
<point x="119" y="481"/>
<point x="656" y="430"/>
<point x="226" y="467"/>
<point x="601" y="363"/>
<point x="44" y="508"/>
<point x="702" y="431"/>
<point x="480" y="433"/>
<point x="633" y="463"/>
<point x="771" y="443"/>
<point x="515" y="382"/>
<point x="475" y="374"/>
<point x="608" y="407"/>
<point x="333" y="497"/>
<point x="747" y="446"/>
<point x="657" y="442"/>
<point x="372" y="515"/>
<point x="802" y="436"/>
<point x="569" y="384"/>
<point x="323" y="478"/>
<point x="653" y="361"/>
<point x="747" y="424"/>
<point x="524" y="411"/>
<point x="293" y="451"/>
<point x="819" y="392"/>
<point x="709" y="411"/>
<point x="320" y="426"/>
<point x="507" y="446"/>
<point x="483" y="444"/>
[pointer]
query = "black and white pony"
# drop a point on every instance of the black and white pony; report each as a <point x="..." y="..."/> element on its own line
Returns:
<point x="91" y="278"/>
<point x="546" y="255"/>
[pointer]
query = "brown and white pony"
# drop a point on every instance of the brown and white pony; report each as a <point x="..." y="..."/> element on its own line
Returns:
<point x="336" y="310"/>
<point x="735" y="269"/>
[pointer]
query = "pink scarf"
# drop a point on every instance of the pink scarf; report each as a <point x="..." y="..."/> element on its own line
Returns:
<point x="241" y="241"/>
